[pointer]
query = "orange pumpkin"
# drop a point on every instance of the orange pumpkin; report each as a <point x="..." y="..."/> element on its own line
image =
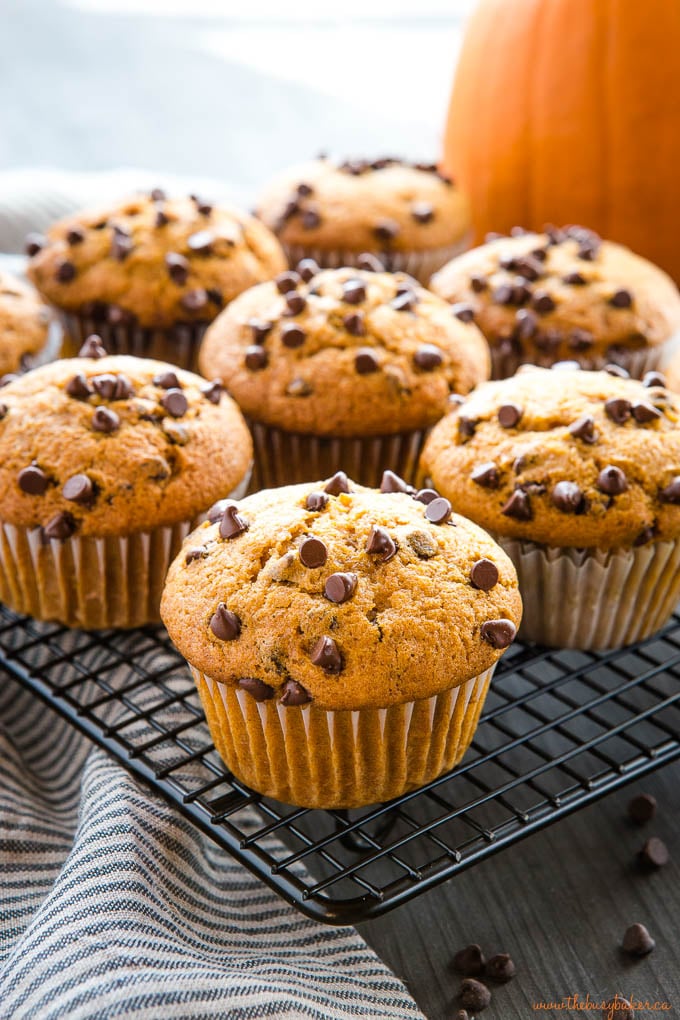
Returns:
<point x="568" y="111"/>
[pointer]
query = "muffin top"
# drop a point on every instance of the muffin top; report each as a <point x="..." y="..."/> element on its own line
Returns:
<point x="562" y="293"/>
<point x="360" y="206"/>
<point x="24" y="323"/>
<point x="343" y="352"/>
<point x="341" y="596"/>
<point x="113" y="445"/>
<point x="564" y="458"/>
<point x="153" y="260"/>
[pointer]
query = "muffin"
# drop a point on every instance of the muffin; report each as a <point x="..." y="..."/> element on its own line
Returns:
<point x="341" y="369"/>
<point x="150" y="273"/>
<point x="342" y="639"/>
<point x="106" y="463"/>
<point x="410" y="214"/>
<point x="26" y="335"/>
<point x="577" y="476"/>
<point x="564" y="294"/>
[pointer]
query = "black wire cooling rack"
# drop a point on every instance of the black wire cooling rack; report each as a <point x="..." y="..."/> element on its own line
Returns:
<point x="560" y="729"/>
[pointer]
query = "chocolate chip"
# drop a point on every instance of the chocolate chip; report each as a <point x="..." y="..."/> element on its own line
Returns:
<point x="584" y="428"/>
<point x="199" y="553"/>
<point x="216" y="511"/>
<point x="474" y="995"/>
<point x="201" y="242"/>
<point x="542" y="302"/>
<point x="500" y="968"/>
<point x="325" y="653"/>
<point x="194" y="300"/>
<point x="618" y="409"/>
<point x="167" y="380"/>
<point x="161" y="219"/>
<point x="340" y="587"/>
<point x="642" y="808"/>
<point x="428" y="357"/>
<point x="204" y="208"/>
<point x="76" y="235"/>
<point x="337" y="484"/>
<point x="104" y="385"/>
<point x="574" y="279"/>
<point x="645" y="413"/>
<point x="353" y="292"/>
<point x="526" y="324"/>
<point x="499" y="633"/>
<point x="484" y="575"/>
<point x="654" y="853"/>
<point x="486" y="475"/>
<point x="503" y="294"/>
<point x="260" y="329"/>
<point x="121" y="245"/>
<point x="123" y="388"/>
<point x="224" y="624"/>
<point x="567" y="497"/>
<point x="60" y="527"/>
<point x="299" y="388"/>
<point x="177" y="267"/>
<point x="469" y="961"/>
<point x="78" y="489"/>
<point x="612" y="480"/>
<point x="310" y="219"/>
<point x="581" y="339"/>
<point x="380" y="543"/>
<point x="78" y="387"/>
<point x="232" y="524"/>
<point x="355" y="324"/>
<point x="509" y="415"/>
<point x="313" y="553"/>
<point x="175" y="403"/>
<point x="213" y="391"/>
<point x="478" y="283"/>
<point x="157" y="195"/>
<point x="366" y="361"/>
<point x="255" y="358"/>
<point x="65" y="271"/>
<point x="304" y="190"/>
<point x="34" y="244"/>
<point x="405" y="301"/>
<point x="307" y="269"/>
<point x="654" y="379"/>
<point x="258" y="689"/>
<point x="637" y="941"/>
<point x="386" y="230"/>
<point x="617" y="371"/>
<point x="295" y="303"/>
<point x="287" y="282"/>
<point x="316" y="501"/>
<point x="518" y="506"/>
<point x="463" y="311"/>
<point x="438" y="511"/>
<point x="391" y="482"/>
<point x="671" y="494"/>
<point x="33" y="480"/>
<point x="422" y="212"/>
<point x="370" y="263"/>
<point x="92" y="348"/>
<point x="3" y="410"/>
<point x="621" y="298"/>
<point x="426" y="496"/>
<point x="294" y="694"/>
<point x="105" y="420"/>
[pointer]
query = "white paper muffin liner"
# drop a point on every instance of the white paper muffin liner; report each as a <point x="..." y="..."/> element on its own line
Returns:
<point x="310" y="757"/>
<point x="178" y="346"/>
<point x="286" y="458"/>
<point x="594" y="599"/>
<point x="420" y="264"/>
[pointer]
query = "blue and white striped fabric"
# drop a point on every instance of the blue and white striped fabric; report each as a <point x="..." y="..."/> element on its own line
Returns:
<point x="113" y="905"/>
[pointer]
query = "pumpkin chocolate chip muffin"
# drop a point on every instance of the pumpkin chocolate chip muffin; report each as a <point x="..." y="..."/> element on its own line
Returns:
<point x="105" y="465"/>
<point x="564" y="294"/>
<point x="25" y="333"/>
<point x="410" y="214"/>
<point x="342" y="368"/>
<point x="577" y="475"/>
<point x="342" y="638"/>
<point x="148" y="274"/>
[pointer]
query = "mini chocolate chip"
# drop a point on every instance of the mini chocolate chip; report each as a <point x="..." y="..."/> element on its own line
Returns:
<point x="260" y="329"/>
<point x="299" y="388"/>
<point x="307" y="269"/>
<point x="526" y="324"/>
<point x="201" y="242"/>
<point x="621" y="298"/>
<point x="294" y="694"/>
<point x="33" y="480"/>
<point x="386" y="230"/>
<point x="391" y="482"/>
<point x="518" y="506"/>
<point x="509" y="415"/>
<point x="637" y="941"/>
<point x="34" y="244"/>
<point x="340" y="587"/>
<point x="316" y="501"/>
<point x="337" y="484"/>
<point x="310" y="219"/>
<point x="92" y="348"/>
<point x="469" y="961"/>
<point x="157" y="195"/>
<point x="216" y="511"/>
<point x="474" y="995"/>
<point x="654" y="379"/>
<point x="612" y="480"/>
<point x="617" y="371"/>
<point x="422" y="212"/>
<point x="486" y="475"/>
<point x="175" y="403"/>
<point x="123" y="388"/>
<point x="162" y="219"/>
<point x="353" y="292"/>
<point x="204" y="208"/>
<point x="304" y="190"/>
<point x="503" y="294"/>
<point x="65" y="271"/>
<point x="478" y="283"/>
<point x="542" y="302"/>
<point x="78" y="387"/>
<point x="325" y="653"/>
<point x="287" y="282"/>
<point x="463" y="311"/>
<point x="574" y="279"/>
<point x="567" y="497"/>
<point x="255" y="358"/>
<point x="380" y="543"/>
<point x="104" y="385"/>
<point x="105" y="420"/>
<point x="484" y="575"/>
<point x="426" y="496"/>
<point x="654" y="853"/>
<point x="224" y="624"/>
<point x="75" y="235"/>
<point x="167" y="380"/>
<point x="618" y="409"/>
<point x="313" y="553"/>
<point x="438" y="511"/>
<point x="500" y="968"/>
<point x="370" y="263"/>
<point x="645" y="536"/>
<point x="584" y="428"/>
<point x="199" y="553"/>
<point x="194" y="300"/>
<point x="78" y="489"/>
<point x="671" y="494"/>
<point x="405" y="301"/>
<point x="60" y="527"/>
<point x="645" y="413"/>
<point x="232" y="524"/>
<point x="121" y="245"/>
<point x="581" y="339"/>
<point x="366" y="361"/>
<point x="177" y="267"/>
<point x="428" y="357"/>
<point x="295" y="303"/>
<point x="292" y="336"/>
<point x="213" y="391"/>
<point x="3" y="410"/>
<point x="642" y="808"/>
<point x="499" y="633"/>
<point x="355" y="324"/>
<point x="258" y="689"/>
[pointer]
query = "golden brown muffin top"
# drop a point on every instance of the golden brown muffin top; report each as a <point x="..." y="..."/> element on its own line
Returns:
<point x="384" y="205"/>
<point x="562" y="293"/>
<point x="114" y="445"/>
<point x="24" y="323"/>
<point x="339" y="595"/>
<point x="344" y="352"/>
<point x="152" y="259"/>
<point x="563" y="458"/>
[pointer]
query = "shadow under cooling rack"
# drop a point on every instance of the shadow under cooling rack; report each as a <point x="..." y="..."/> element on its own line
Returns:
<point x="560" y="729"/>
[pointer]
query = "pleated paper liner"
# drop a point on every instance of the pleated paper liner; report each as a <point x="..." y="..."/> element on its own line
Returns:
<point x="594" y="599"/>
<point x="286" y="458"/>
<point x="178" y="346"/>
<point x="314" y="758"/>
